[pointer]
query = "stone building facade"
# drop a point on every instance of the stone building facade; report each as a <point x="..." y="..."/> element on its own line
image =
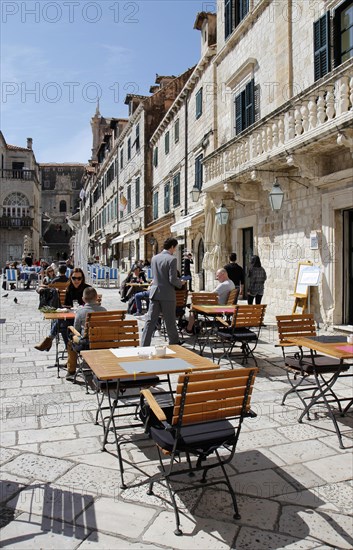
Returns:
<point x="20" y="213"/>
<point x="61" y="184"/>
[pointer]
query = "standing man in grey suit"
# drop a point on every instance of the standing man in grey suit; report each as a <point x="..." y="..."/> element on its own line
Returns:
<point x="162" y="293"/>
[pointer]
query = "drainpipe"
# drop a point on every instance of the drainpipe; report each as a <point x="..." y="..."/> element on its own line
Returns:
<point x="290" y="48"/>
<point x="186" y="124"/>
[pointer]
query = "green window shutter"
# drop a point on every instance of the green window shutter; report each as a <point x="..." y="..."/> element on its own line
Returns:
<point x="228" y="17"/>
<point x="239" y="114"/>
<point x="137" y="192"/>
<point x="155" y="205"/>
<point x="322" y="46"/>
<point x="176" y="131"/>
<point x="249" y="103"/>
<point x="155" y="156"/>
<point x="176" y="190"/>
<point x="199" y="103"/>
<point x="166" y="143"/>
<point x="167" y="197"/>
<point x="198" y="172"/>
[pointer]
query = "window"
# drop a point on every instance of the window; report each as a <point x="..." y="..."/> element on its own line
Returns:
<point x="166" y="143"/>
<point x="121" y="158"/>
<point x="137" y="138"/>
<point x="234" y="12"/>
<point x="322" y="46"/>
<point x="46" y="184"/>
<point x="343" y="32"/>
<point x="245" y="108"/>
<point x="198" y="172"/>
<point x="167" y="197"/>
<point x="137" y="192"/>
<point x="199" y="103"/>
<point x="155" y="157"/>
<point x="155" y="205"/>
<point x="16" y="205"/>
<point x="176" y="131"/>
<point x="129" y="199"/>
<point x="176" y="190"/>
<point x="62" y="206"/>
<point x="129" y="149"/>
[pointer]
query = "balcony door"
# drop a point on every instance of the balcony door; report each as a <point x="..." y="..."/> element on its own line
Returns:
<point x="248" y="250"/>
<point x="348" y="267"/>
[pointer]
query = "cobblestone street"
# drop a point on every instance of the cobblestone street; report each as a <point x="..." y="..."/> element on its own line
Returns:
<point x="58" y="490"/>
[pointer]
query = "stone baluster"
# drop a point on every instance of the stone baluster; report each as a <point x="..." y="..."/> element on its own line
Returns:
<point x="254" y="145"/>
<point x="263" y="139"/>
<point x="259" y="144"/>
<point x="305" y="116"/>
<point x="281" y="131"/>
<point x="227" y="160"/>
<point x="321" y="115"/>
<point x="342" y="95"/>
<point x="330" y="102"/>
<point x="290" y="125"/>
<point x="312" y="107"/>
<point x="275" y="138"/>
<point x="298" y="121"/>
<point x="351" y="92"/>
<point x="269" y="138"/>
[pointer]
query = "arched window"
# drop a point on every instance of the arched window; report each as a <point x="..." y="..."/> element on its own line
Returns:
<point x="16" y="205"/>
<point x="62" y="206"/>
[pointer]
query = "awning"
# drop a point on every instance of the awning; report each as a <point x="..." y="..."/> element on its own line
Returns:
<point x="158" y="225"/>
<point x="119" y="239"/>
<point x="185" y="222"/>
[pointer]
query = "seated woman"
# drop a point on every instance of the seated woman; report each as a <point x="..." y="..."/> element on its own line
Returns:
<point x="136" y="275"/>
<point x="73" y="292"/>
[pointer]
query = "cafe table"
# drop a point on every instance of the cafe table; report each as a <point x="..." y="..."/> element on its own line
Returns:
<point x="210" y="312"/>
<point x="332" y="346"/>
<point x="68" y="315"/>
<point x="113" y="366"/>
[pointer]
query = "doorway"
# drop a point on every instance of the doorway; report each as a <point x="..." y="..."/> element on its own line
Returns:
<point x="248" y="250"/>
<point x="347" y="283"/>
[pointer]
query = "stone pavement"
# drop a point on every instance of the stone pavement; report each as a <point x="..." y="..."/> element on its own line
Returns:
<point x="59" y="491"/>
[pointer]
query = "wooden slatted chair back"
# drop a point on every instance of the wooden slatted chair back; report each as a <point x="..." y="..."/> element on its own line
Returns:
<point x="295" y="326"/>
<point x="115" y="334"/>
<point x="232" y="298"/>
<point x="181" y="297"/>
<point x="102" y="319"/>
<point x="61" y="288"/>
<point x="249" y="316"/>
<point x="213" y="395"/>
<point x="204" y="298"/>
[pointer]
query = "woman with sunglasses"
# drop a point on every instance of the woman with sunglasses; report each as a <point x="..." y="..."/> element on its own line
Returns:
<point x="73" y="292"/>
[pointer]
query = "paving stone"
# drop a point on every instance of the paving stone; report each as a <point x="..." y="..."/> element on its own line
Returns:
<point x="335" y="496"/>
<point x="116" y="516"/>
<point x="47" y="434"/>
<point x="104" y="460"/>
<point x="93" y="480"/>
<point x="28" y="531"/>
<point x="259" y="423"/>
<point x="37" y="467"/>
<point x="100" y="541"/>
<point x="64" y="418"/>
<point x="28" y="448"/>
<point x="248" y="461"/>
<point x="69" y="447"/>
<point x="333" y="468"/>
<point x="301" y="451"/>
<point x="7" y="454"/>
<point x="332" y="529"/>
<point x="261" y="484"/>
<point x="8" y="439"/>
<point x="19" y="423"/>
<point x="10" y="485"/>
<point x="300" y="476"/>
<point x="255" y="539"/>
<point x="255" y="439"/>
<point x="199" y="533"/>
<point x="299" y="432"/>
<point x="9" y="384"/>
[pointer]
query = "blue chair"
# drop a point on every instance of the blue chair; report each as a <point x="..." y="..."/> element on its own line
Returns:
<point x="11" y="278"/>
<point x="113" y="276"/>
<point x="68" y="272"/>
<point x="99" y="277"/>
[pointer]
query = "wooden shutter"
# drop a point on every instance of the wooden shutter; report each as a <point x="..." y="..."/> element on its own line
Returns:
<point x="239" y="113"/>
<point x="249" y="104"/>
<point x="228" y="17"/>
<point x="322" y="46"/>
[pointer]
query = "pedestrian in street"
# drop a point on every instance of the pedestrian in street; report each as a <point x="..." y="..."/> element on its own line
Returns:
<point x="235" y="274"/>
<point x="162" y="293"/>
<point x="187" y="270"/>
<point x="256" y="279"/>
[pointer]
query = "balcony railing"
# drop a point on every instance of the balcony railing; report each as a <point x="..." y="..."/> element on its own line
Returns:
<point x="319" y="110"/>
<point x="6" y="222"/>
<point x="28" y="175"/>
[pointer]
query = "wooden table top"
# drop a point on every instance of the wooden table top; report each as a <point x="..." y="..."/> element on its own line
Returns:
<point x="106" y="365"/>
<point x="214" y="310"/>
<point x="339" y="350"/>
<point x="60" y="315"/>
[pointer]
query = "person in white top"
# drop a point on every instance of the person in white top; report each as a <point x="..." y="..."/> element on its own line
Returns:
<point x="225" y="285"/>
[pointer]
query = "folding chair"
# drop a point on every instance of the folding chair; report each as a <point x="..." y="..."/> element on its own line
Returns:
<point x="11" y="278"/>
<point x="206" y="421"/>
<point x="99" y="277"/>
<point x="233" y="297"/>
<point x="309" y="367"/>
<point x="94" y="319"/>
<point x="113" y="276"/>
<point x="242" y="333"/>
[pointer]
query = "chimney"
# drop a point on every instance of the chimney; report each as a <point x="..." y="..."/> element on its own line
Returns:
<point x="29" y="143"/>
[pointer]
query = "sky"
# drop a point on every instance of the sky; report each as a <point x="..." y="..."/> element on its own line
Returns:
<point x="58" y="58"/>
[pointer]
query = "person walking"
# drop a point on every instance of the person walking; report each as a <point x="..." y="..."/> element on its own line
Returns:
<point x="256" y="279"/>
<point x="187" y="270"/>
<point x="235" y="274"/>
<point x="162" y="293"/>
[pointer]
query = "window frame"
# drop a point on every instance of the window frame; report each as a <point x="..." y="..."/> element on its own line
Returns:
<point x="176" y="130"/>
<point x="167" y="143"/>
<point x="198" y="171"/>
<point x="167" y="197"/>
<point x="155" y="156"/>
<point x="338" y="54"/>
<point x="198" y="103"/>
<point x="155" y="205"/>
<point x="137" y="192"/>
<point x="176" y="190"/>
<point x="244" y="107"/>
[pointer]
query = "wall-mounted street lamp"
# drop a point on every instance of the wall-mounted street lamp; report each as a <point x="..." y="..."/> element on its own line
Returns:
<point x="136" y="224"/>
<point x="195" y="193"/>
<point x="222" y="215"/>
<point x="276" y="196"/>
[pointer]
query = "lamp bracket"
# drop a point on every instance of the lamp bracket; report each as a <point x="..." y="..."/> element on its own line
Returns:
<point x="267" y="182"/>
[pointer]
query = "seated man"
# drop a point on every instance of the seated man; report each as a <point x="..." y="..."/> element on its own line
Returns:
<point x="222" y="289"/>
<point x="139" y="296"/>
<point x="90" y="298"/>
<point x="61" y="278"/>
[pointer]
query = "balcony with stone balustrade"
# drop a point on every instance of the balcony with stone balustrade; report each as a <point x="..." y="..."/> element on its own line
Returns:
<point x="320" y="117"/>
